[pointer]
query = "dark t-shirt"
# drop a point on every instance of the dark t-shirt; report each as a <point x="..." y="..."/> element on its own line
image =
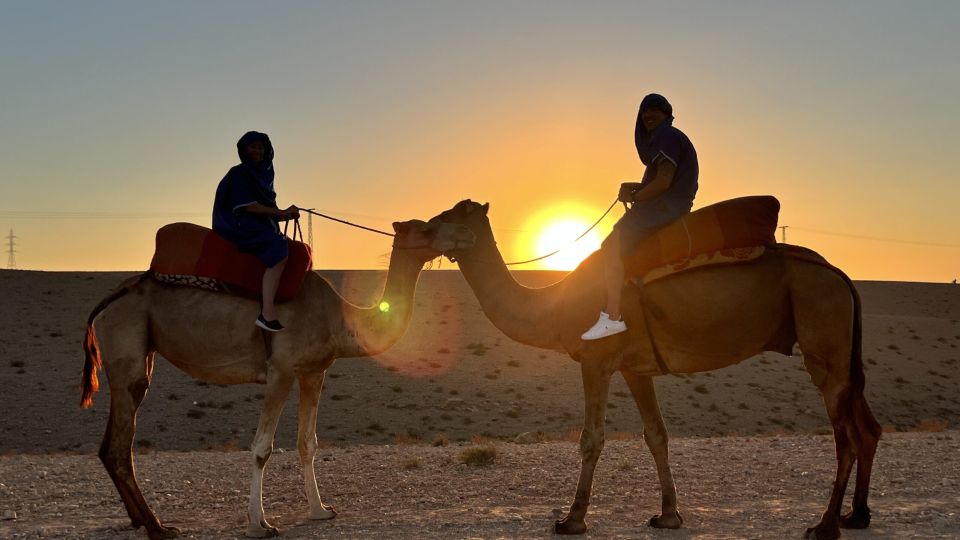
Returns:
<point x="670" y="144"/>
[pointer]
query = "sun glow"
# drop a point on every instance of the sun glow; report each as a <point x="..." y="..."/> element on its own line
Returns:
<point x="557" y="228"/>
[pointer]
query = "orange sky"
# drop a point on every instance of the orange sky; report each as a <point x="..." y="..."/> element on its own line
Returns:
<point x="126" y="119"/>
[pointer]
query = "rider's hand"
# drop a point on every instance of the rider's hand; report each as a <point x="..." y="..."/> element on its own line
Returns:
<point x="292" y="212"/>
<point x="627" y="189"/>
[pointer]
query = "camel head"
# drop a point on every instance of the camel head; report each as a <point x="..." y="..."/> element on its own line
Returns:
<point x="428" y="241"/>
<point x="466" y="213"/>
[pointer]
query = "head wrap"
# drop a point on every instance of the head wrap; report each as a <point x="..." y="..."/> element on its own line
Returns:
<point x="261" y="170"/>
<point x="656" y="101"/>
<point x="647" y="142"/>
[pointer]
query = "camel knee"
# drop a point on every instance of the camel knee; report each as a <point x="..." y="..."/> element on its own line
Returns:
<point x="307" y="447"/>
<point x="262" y="454"/>
<point x="591" y="444"/>
<point x="138" y="389"/>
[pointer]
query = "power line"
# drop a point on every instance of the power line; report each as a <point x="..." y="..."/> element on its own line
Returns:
<point x="877" y="238"/>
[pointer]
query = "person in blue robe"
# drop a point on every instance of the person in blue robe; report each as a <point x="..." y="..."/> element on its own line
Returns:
<point x="245" y="212"/>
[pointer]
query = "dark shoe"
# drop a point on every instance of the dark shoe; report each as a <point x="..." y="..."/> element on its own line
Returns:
<point x="269" y="326"/>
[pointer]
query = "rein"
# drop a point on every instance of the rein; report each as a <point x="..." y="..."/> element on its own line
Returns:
<point x="296" y="231"/>
<point x="345" y="222"/>
<point x="552" y="253"/>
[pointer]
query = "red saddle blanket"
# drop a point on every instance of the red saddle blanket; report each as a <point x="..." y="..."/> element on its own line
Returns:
<point x="736" y="223"/>
<point x="186" y="249"/>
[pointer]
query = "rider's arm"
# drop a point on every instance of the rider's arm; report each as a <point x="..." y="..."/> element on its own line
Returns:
<point x="661" y="183"/>
<point x="261" y="210"/>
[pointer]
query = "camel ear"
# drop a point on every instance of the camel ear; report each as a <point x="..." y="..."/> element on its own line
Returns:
<point x="398" y="227"/>
<point x="486" y="206"/>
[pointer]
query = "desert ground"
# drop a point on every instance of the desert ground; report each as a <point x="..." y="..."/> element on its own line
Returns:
<point x="750" y="448"/>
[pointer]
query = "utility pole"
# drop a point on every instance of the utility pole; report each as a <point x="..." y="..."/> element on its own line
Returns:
<point x="310" y="231"/>
<point x="783" y="234"/>
<point x="11" y="252"/>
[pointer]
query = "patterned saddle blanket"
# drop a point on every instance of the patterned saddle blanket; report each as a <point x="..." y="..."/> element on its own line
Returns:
<point x="192" y="255"/>
<point x="731" y="231"/>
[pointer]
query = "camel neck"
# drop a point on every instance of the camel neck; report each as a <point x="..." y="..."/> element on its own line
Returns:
<point x="372" y="330"/>
<point x="524" y="314"/>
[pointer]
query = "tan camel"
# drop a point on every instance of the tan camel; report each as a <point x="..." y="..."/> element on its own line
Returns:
<point x="701" y="320"/>
<point x="211" y="337"/>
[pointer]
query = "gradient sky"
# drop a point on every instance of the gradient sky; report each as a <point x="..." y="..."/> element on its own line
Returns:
<point x="118" y="117"/>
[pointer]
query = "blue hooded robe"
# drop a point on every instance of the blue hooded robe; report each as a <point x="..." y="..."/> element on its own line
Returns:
<point x="245" y="184"/>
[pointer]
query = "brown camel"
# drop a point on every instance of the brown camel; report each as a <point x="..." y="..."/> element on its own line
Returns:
<point x="211" y="336"/>
<point x="699" y="320"/>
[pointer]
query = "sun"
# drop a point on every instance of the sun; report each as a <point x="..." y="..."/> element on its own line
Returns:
<point x="560" y="234"/>
<point x="557" y="227"/>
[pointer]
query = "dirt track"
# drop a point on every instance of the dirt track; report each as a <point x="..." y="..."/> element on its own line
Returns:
<point x="730" y="487"/>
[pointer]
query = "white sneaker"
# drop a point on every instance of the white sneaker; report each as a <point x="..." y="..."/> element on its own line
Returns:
<point x="604" y="327"/>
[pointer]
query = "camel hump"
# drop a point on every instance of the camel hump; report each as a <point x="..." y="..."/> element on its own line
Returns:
<point x="736" y="226"/>
<point x="193" y="255"/>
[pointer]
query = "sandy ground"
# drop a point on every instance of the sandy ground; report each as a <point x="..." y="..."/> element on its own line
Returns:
<point x="730" y="487"/>
<point x="454" y="374"/>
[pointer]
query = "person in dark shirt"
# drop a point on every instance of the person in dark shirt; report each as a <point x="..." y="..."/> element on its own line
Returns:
<point x="665" y="193"/>
<point x="245" y="212"/>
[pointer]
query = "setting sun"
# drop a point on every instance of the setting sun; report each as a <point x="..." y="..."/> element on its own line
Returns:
<point x="558" y="227"/>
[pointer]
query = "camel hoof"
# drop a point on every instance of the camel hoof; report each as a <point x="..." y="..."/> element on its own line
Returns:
<point x="264" y="530"/>
<point x="569" y="526"/>
<point x="325" y="512"/>
<point x="822" y="532"/>
<point x="162" y="532"/>
<point x="856" y="519"/>
<point x="667" y="522"/>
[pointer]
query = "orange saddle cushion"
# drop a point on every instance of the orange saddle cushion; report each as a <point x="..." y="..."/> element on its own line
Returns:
<point x="736" y="223"/>
<point x="191" y="250"/>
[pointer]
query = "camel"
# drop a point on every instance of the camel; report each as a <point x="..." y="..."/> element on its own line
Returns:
<point x="211" y="337"/>
<point x="699" y="320"/>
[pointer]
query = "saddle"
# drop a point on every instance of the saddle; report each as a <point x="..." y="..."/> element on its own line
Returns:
<point x="731" y="231"/>
<point x="192" y="255"/>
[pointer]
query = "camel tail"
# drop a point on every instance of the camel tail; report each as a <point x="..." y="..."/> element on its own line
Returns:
<point x="89" y="382"/>
<point x="857" y="377"/>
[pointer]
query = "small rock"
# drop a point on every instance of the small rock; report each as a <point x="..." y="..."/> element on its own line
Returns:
<point x="9" y="515"/>
<point x="453" y="403"/>
<point x="527" y="438"/>
<point x="43" y="474"/>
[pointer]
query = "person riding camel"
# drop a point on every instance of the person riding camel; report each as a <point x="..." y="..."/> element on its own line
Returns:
<point x="245" y="212"/>
<point x="665" y="193"/>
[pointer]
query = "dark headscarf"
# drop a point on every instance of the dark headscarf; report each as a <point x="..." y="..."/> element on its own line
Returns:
<point x="262" y="171"/>
<point x="647" y="143"/>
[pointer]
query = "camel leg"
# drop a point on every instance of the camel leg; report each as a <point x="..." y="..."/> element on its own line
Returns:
<point x="869" y="431"/>
<point x="310" y="387"/>
<point x="129" y="376"/>
<point x="596" y="384"/>
<point x="278" y="387"/>
<point x="655" y="435"/>
<point x="835" y="387"/>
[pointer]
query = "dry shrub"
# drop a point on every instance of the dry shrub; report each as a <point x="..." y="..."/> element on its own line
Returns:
<point x="889" y="429"/>
<point x="479" y="456"/>
<point x="622" y="436"/>
<point x="931" y="425"/>
<point x="406" y="438"/>
<point x="411" y="462"/>
<point x="440" y="439"/>
<point x="571" y="435"/>
<point x="480" y="439"/>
